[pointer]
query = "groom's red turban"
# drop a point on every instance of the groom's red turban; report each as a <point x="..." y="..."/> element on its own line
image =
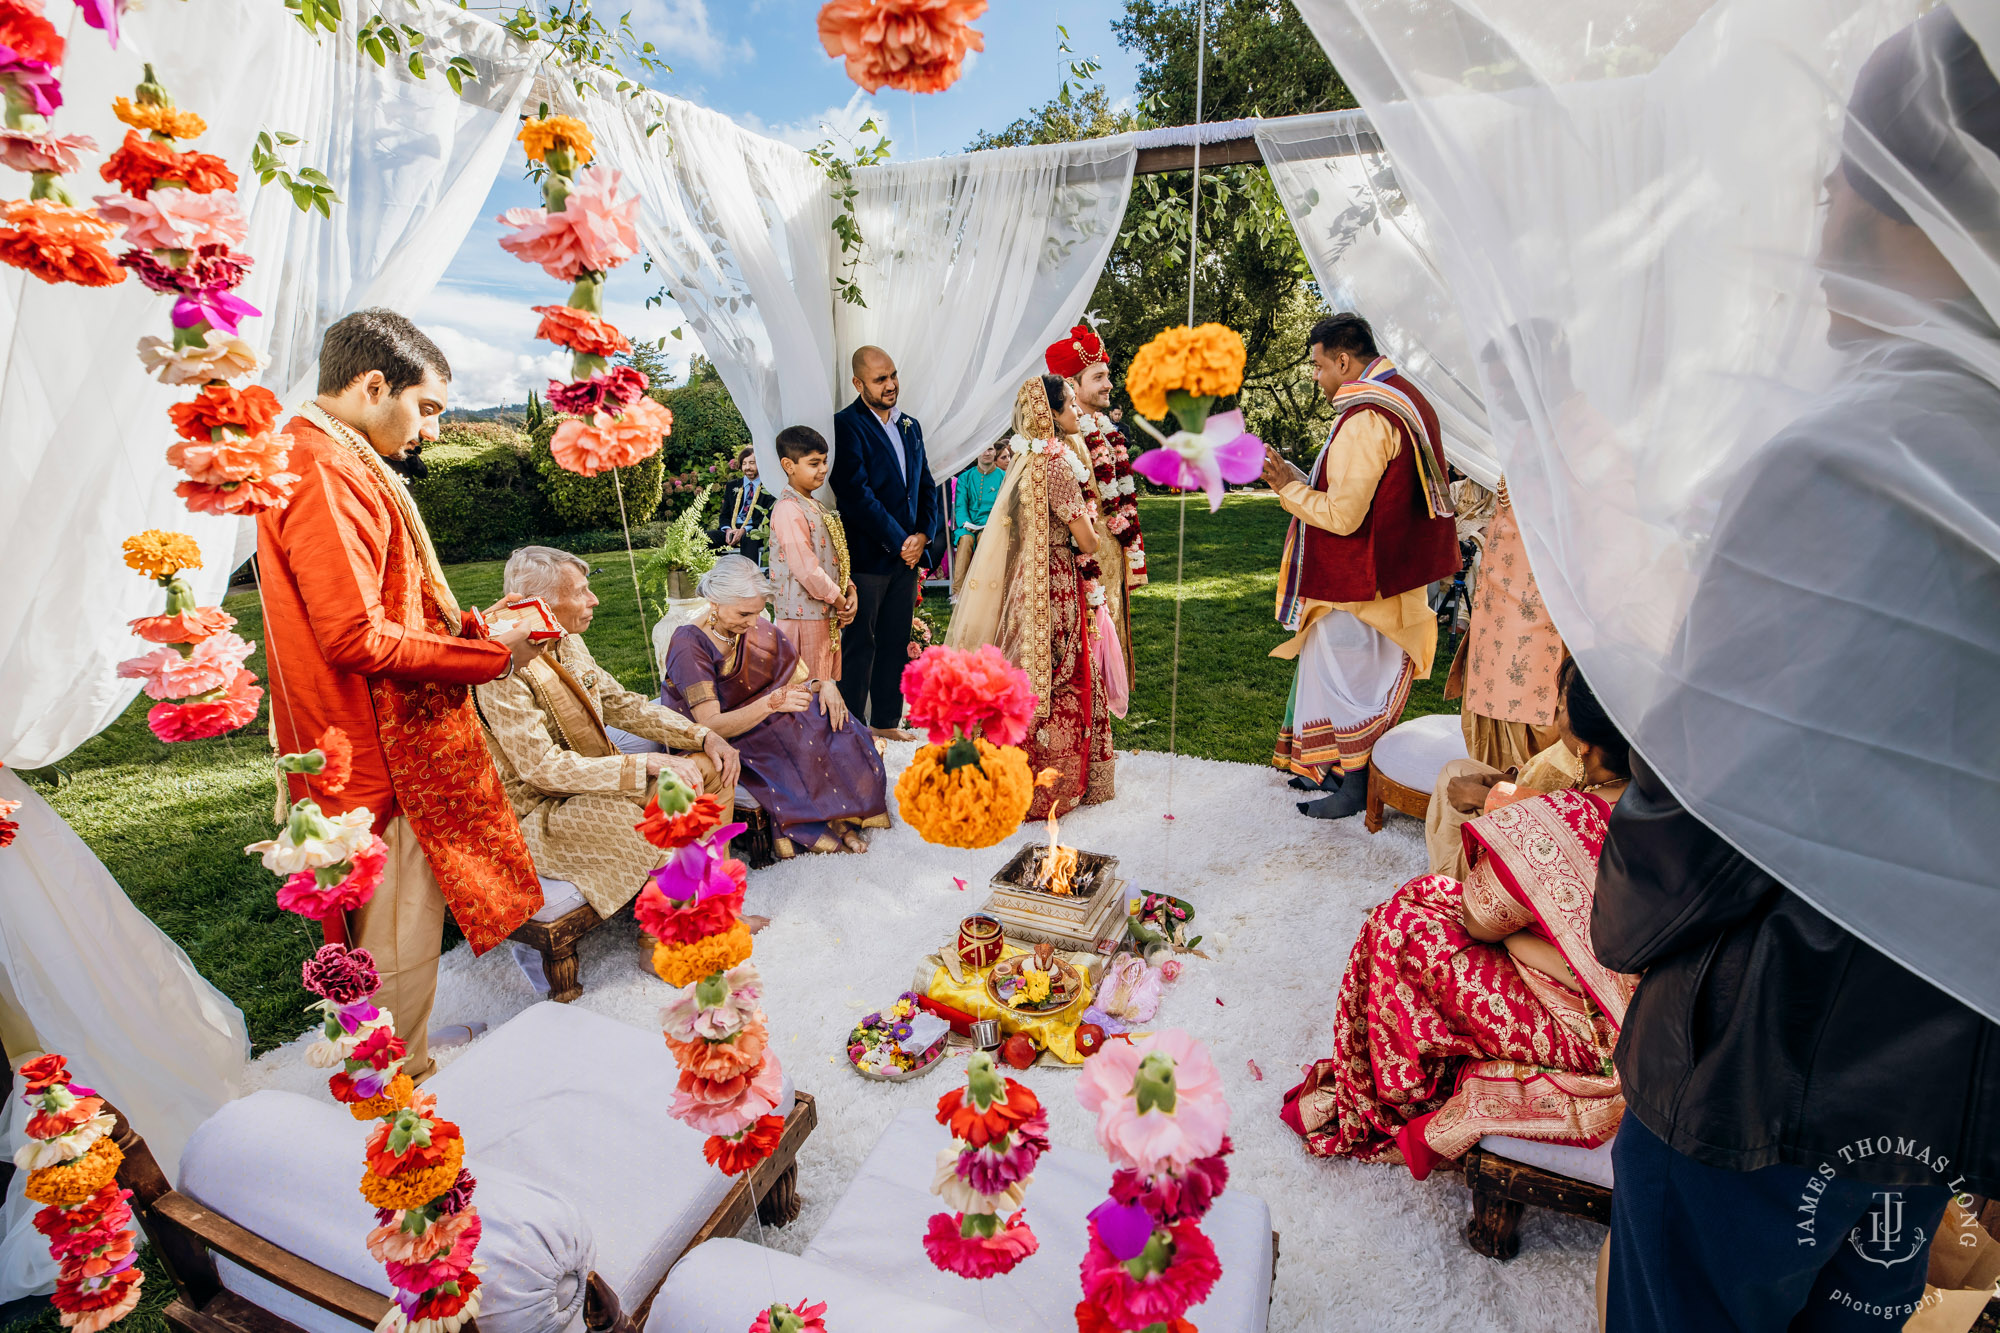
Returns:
<point x="1068" y="357"/>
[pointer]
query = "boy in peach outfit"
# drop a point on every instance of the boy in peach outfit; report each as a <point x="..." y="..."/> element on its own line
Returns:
<point x="813" y="591"/>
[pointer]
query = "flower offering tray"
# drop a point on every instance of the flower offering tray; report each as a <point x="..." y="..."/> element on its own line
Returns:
<point x="1066" y="986"/>
<point x="1090" y="920"/>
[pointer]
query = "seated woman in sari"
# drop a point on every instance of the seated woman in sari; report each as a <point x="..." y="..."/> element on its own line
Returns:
<point x="816" y="773"/>
<point x="1478" y="1008"/>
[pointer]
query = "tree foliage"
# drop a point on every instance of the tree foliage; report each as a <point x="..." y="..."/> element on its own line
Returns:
<point x="1251" y="274"/>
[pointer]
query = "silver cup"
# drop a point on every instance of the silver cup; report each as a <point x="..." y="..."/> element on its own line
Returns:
<point x="986" y="1033"/>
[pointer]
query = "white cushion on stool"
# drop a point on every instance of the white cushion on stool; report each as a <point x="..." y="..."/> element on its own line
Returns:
<point x="559" y="899"/>
<point x="286" y="1167"/>
<point x="636" y="1175"/>
<point x="722" y="1284"/>
<point x="1413" y="752"/>
<point x="876" y="1233"/>
<point x="1565" y="1159"/>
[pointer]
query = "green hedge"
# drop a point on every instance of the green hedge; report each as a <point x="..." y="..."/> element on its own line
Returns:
<point x="707" y="425"/>
<point x="581" y="503"/>
<point x="480" y="491"/>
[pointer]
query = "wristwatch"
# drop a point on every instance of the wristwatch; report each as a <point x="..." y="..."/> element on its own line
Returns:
<point x="701" y="735"/>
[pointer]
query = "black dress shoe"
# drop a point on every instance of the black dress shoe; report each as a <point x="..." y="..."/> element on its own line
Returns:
<point x="1349" y="800"/>
<point x="1331" y="782"/>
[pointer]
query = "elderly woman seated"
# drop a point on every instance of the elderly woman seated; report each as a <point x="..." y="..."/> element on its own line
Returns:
<point x="812" y="768"/>
<point x="577" y="795"/>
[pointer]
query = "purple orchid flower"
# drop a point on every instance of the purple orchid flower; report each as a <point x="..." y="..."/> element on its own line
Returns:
<point x="1123" y="1227"/>
<point x="352" y="1016"/>
<point x="219" y="306"/>
<point x="1222" y="452"/>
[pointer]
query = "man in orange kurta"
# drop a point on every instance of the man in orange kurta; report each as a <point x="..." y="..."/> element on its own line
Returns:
<point x="362" y="633"/>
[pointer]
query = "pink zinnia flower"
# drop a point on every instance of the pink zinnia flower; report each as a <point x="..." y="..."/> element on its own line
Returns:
<point x="304" y="894"/>
<point x="211" y="665"/>
<point x="1158" y="1298"/>
<point x="950" y="690"/>
<point x="977" y="1256"/>
<point x="199" y="719"/>
<point x="436" y="1269"/>
<point x="1156" y="1139"/>
<point x="594" y="231"/>
<point x="729" y="1106"/>
<point x="176" y="219"/>
<point x="25" y="150"/>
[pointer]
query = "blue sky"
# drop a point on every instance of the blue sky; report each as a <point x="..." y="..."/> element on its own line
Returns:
<point x="759" y="62"/>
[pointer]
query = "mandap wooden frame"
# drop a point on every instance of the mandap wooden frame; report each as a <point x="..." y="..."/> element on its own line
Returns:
<point x="187" y="1237"/>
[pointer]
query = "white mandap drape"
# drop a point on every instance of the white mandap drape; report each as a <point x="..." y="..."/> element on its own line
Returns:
<point x="1372" y="254"/>
<point x="83" y="439"/>
<point x="1739" y="265"/>
<point x="971" y="265"/>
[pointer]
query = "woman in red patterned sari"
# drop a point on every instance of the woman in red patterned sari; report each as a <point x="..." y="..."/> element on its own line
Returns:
<point x="1033" y="589"/>
<point x="1478" y="1008"/>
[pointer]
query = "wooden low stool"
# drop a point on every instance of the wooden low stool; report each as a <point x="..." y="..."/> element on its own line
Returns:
<point x="757" y="845"/>
<point x="1502" y="1186"/>
<point x="554" y="933"/>
<point x="1404" y="765"/>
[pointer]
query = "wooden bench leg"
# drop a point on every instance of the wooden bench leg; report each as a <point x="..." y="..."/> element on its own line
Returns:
<point x="1373" y="818"/>
<point x="560" y="965"/>
<point x="780" y="1205"/>
<point x="1494" y="1228"/>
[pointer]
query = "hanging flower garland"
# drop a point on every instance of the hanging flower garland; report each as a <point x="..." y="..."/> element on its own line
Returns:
<point x="197" y="669"/>
<point x="1184" y="371"/>
<point x="730" y="1077"/>
<point x="917" y="46"/>
<point x="72" y="1165"/>
<point x="1162" y="1120"/>
<point x="427" y="1228"/>
<point x="183" y="224"/>
<point x="46" y="233"/>
<point x="582" y="232"/>
<point x="999" y="1131"/>
<point x="800" y="1318"/>
<point x="1111" y="468"/>
<point x="970" y="787"/>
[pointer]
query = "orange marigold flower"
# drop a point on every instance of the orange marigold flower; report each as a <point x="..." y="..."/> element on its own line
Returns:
<point x="540" y="135"/>
<point x="170" y="121"/>
<point x="140" y="163"/>
<point x="685" y="964"/>
<point x="57" y="243"/>
<point x="413" y="1189"/>
<point x="391" y="1100"/>
<point x="679" y="830"/>
<point x="339" y="752"/>
<point x="74" y="1181"/>
<point x="917" y="46"/>
<point x="1203" y="362"/>
<point x="580" y="331"/>
<point x="161" y="555"/>
<point x="255" y="409"/>
<point x="975" y="805"/>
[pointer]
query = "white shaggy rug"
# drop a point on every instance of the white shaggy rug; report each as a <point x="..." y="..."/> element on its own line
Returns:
<point x="1363" y="1247"/>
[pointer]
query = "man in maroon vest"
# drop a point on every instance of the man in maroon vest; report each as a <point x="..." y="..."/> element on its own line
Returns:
<point x="1371" y="529"/>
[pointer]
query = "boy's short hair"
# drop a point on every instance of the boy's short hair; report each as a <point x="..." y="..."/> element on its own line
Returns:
<point x="796" y="442"/>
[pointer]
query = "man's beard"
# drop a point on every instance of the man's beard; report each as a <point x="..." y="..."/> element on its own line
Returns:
<point x="409" y="463"/>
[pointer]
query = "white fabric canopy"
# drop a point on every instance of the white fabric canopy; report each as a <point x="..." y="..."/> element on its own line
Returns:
<point x="1372" y="254"/>
<point x="84" y="430"/>
<point x="1745" y="384"/>
<point x="973" y="265"/>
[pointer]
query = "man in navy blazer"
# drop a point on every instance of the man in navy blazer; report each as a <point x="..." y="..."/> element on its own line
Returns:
<point x="890" y="507"/>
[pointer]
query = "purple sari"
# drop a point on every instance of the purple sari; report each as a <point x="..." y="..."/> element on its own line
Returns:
<point x="802" y="772"/>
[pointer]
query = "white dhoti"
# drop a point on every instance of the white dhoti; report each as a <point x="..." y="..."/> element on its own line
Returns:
<point x="1350" y="688"/>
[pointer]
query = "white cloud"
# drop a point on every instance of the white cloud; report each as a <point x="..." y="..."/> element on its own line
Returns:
<point x="683" y="33"/>
<point x="489" y="337"/>
<point x="840" y="123"/>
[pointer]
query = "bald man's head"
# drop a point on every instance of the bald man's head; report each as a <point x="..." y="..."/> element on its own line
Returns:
<point x="875" y="378"/>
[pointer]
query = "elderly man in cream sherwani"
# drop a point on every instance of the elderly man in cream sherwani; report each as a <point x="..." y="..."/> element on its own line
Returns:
<point x="577" y="795"/>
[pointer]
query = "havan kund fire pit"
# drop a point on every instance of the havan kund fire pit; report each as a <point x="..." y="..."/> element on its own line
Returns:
<point x="1075" y="901"/>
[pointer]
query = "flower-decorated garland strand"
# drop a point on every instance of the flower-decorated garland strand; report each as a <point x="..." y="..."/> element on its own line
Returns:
<point x="196" y="671"/>
<point x="72" y="1165"/>
<point x="1162" y="1120"/>
<point x="970" y="787"/>
<point x="183" y="224"/>
<point x="999" y="1131"/>
<point x="730" y="1077"/>
<point x="582" y="231"/>
<point x="427" y="1228"/>
<point x="46" y="233"/>
<point x="1111" y="466"/>
<point x="915" y="46"/>
<point x="1184" y="371"/>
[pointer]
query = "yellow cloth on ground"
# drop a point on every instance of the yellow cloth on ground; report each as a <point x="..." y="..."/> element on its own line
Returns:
<point x="1056" y="1035"/>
